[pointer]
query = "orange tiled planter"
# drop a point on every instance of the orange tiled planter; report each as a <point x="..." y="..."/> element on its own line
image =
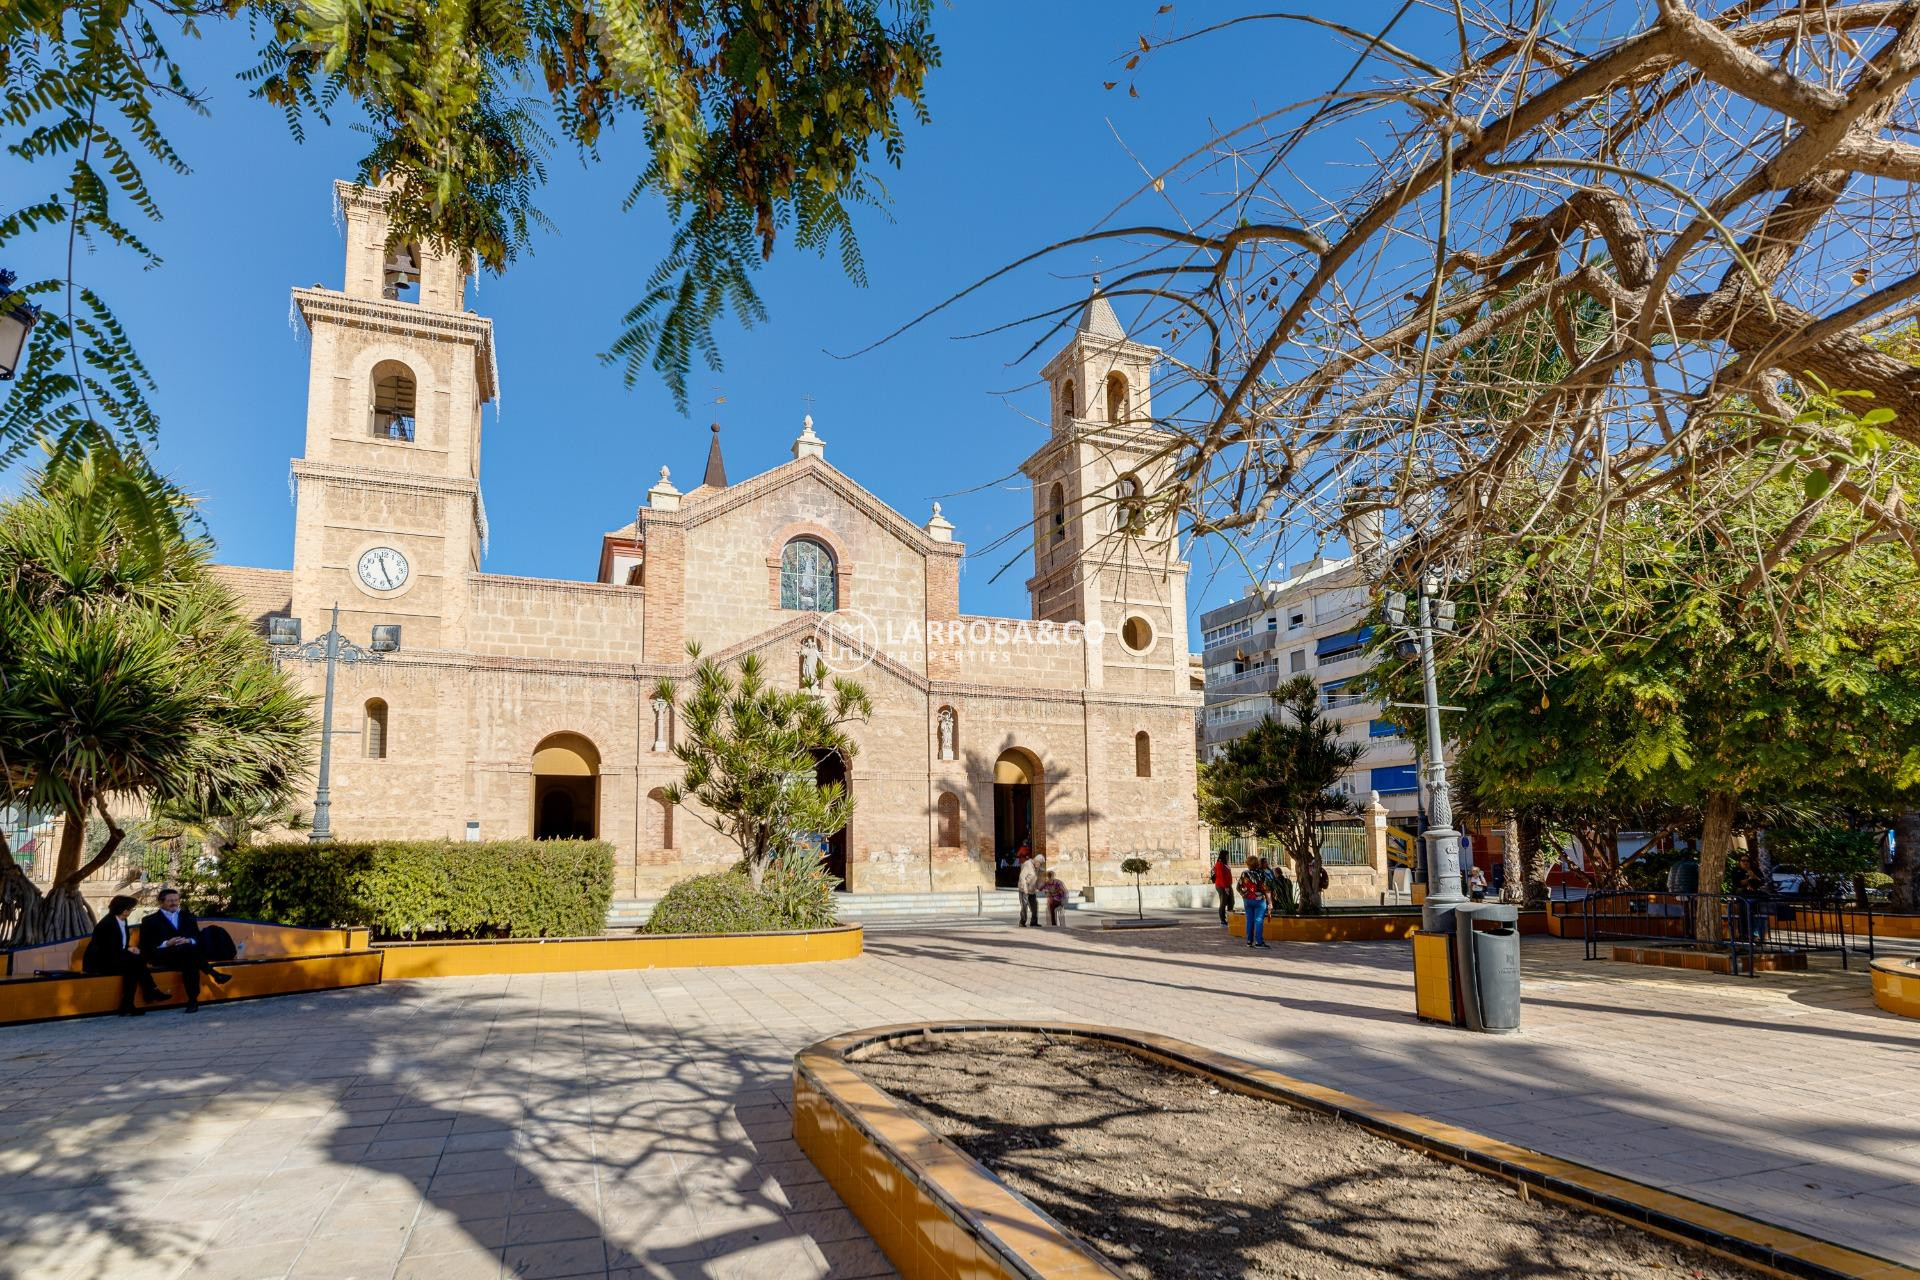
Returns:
<point x="941" y="1215"/>
<point x="1896" y="986"/>
<point x="463" y="959"/>
<point x="1383" y="926"/>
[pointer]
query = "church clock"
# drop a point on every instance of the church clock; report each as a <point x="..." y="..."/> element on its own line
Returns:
<point x="383" y="569"/>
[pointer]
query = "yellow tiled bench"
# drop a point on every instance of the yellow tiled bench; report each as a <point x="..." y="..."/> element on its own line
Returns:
<point x="1896" y="986"/>
<point x="275" y="959"/>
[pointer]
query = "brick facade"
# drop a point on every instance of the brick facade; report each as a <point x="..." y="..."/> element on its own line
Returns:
<point x="492" y="667"/>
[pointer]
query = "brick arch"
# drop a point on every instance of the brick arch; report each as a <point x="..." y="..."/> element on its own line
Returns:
<point x="842" y="560"/>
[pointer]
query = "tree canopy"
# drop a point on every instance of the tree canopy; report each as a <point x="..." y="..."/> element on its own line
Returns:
<point x="126" y="674"/>
<point x="752" y="752"/>
<point x="758" y="119"/>
<point x="1276" y="781"/>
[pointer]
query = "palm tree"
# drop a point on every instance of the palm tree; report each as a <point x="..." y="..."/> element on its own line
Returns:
<point x="127" y="674"/>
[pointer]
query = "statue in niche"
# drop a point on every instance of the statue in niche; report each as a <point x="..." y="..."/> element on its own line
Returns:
<point x="809" y="663"/>
<point x="946" y="733"/>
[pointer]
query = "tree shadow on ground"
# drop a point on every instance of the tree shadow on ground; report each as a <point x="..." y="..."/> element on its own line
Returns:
<point x="433" y="1131"/>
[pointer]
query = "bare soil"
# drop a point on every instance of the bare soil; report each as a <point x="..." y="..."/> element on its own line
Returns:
<point x="1173" y="1178"/>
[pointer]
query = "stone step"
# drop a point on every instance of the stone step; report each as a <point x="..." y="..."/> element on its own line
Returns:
<point x="631" y="913"/>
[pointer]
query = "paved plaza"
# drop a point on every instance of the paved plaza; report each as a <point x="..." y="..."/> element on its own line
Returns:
<point x="635" y="1123"/>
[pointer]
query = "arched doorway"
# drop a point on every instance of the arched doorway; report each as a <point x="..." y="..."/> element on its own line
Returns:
<point x="1016" y="775"/>
<point x="831" y="767"/>
<point x="566" y="788"/>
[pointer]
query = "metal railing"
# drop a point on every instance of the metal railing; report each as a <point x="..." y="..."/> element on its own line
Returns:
<point x="1749" y="925"/>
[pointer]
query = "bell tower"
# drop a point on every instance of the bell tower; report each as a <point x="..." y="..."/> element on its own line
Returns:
<point x="389" y="519"/>
<point x="1105" y="543"/>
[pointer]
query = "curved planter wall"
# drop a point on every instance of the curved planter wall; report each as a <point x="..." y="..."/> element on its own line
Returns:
<point x="938" y="1213"/>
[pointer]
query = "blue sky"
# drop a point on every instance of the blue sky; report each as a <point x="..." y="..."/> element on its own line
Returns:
<point x="1025" y="147"/>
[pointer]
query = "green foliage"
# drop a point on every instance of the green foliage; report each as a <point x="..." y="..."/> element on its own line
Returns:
<point x="1276" y="781"/>
<point x="1827" y="852"/>
<point x="1136" y="866"/>
<point x="796" y="894"/>
<point x="758" y="117"/>
<point x="751" y="754"/>
<point x="127" y="671"/>
<point x="404" y="888"/>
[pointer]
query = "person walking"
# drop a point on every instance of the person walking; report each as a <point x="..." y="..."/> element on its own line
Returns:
<point x="1223" y="885"/>
<point x="1056" y="891"/>
<point x="1254" y="889"/>
<point x="1032" y="872"/>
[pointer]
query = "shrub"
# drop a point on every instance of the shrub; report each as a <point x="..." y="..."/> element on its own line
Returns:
<point x="404" y="888"/>
<point x="797" y="893"/>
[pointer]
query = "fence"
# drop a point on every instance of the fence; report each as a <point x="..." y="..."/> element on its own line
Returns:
<point x="1749" y="925"/>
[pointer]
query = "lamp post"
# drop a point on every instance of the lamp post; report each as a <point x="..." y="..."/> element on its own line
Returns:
<point x="332" y="648"/>
<point x="17" y="317"/>
<point x="1442" y="841"/>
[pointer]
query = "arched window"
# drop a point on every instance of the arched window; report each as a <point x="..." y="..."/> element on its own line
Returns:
<point x="1116" y="397"/>
<point x="376" y="729"/>
<point x="948" y="810"/>
<point x="660" y="812"/>
<point x="1066" y="401"/>
<point x="393" y="401"/>
<point x="1129" y="505"/>
<point x="1142" y="756"/>
<point x="807" y="577"/>
<point x="1057" y="514"/>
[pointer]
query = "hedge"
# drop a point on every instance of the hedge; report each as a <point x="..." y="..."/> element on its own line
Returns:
<point x="793" y="896"/>
<point x="404" y="888"/>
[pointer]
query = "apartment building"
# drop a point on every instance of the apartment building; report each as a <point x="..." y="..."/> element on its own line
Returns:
<point x="1313" y="622"/>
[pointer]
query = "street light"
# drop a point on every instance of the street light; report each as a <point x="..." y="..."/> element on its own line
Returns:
<point x="17" y="318"/>
<point x="284" y="635"/>
<point x="1442" y="841"/>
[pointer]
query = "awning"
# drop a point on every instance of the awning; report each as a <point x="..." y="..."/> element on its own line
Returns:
<point x="1345" y="640"/>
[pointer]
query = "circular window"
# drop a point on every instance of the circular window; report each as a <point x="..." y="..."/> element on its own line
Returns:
<point x="1137" y="634"/>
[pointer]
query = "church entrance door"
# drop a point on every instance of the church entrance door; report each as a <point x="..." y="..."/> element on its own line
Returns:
<point x="566" y="789"/>
<point x="832" y="767"/>
<point x="1013" y="781"/>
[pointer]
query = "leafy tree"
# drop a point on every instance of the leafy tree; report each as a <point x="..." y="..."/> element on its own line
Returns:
<point x="1276" y="781"/>
<point x="760" y="118"/>
<point x="126" y="673"/>
<point x="1677" y="702"/>
<point x="751" y="754"/>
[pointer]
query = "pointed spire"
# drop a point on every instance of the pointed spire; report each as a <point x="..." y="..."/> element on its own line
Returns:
<point x="716" y="477"/>
<point x="1098" y="320"/>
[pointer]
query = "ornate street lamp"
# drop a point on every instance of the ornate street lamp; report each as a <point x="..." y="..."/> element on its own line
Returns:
<point x="1442" y="841"/>
<point x="284" y="635"/>
<point x="17" y="318"/>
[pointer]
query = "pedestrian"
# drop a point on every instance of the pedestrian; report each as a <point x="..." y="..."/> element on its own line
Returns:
<point x="1477" y="884"/>
<point x="1056" y="891"/>
<point x="1032" y="870"/>
<point x="1253" y="896"/>
<point x="112" y="950"/>
<point x="1223" y="885"/>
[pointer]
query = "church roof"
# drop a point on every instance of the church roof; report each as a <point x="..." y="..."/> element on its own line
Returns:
<point x="1098" y="319"/>
<point x="716" y="477"/>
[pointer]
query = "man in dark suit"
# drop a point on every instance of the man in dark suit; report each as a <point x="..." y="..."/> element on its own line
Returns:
<point x="170" y="939"/>
<point x="111" y="950"/>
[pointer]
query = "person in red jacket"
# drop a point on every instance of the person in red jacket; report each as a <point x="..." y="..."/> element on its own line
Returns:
<point x="1223" y="885"/>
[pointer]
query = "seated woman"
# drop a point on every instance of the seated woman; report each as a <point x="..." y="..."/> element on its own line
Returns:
<point x="112" y="950"/>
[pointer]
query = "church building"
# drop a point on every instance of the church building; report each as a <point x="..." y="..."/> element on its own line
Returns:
<point x="519" y="707"/>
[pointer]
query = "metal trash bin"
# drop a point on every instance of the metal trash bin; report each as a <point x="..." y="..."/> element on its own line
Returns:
<point x="1487" y="961"/>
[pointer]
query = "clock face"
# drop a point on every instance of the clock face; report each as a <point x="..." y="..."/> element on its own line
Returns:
<point x="383" y="569"/>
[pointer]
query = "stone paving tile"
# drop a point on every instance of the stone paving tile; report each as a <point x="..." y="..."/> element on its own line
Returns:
<point x="636" y="1124"/>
